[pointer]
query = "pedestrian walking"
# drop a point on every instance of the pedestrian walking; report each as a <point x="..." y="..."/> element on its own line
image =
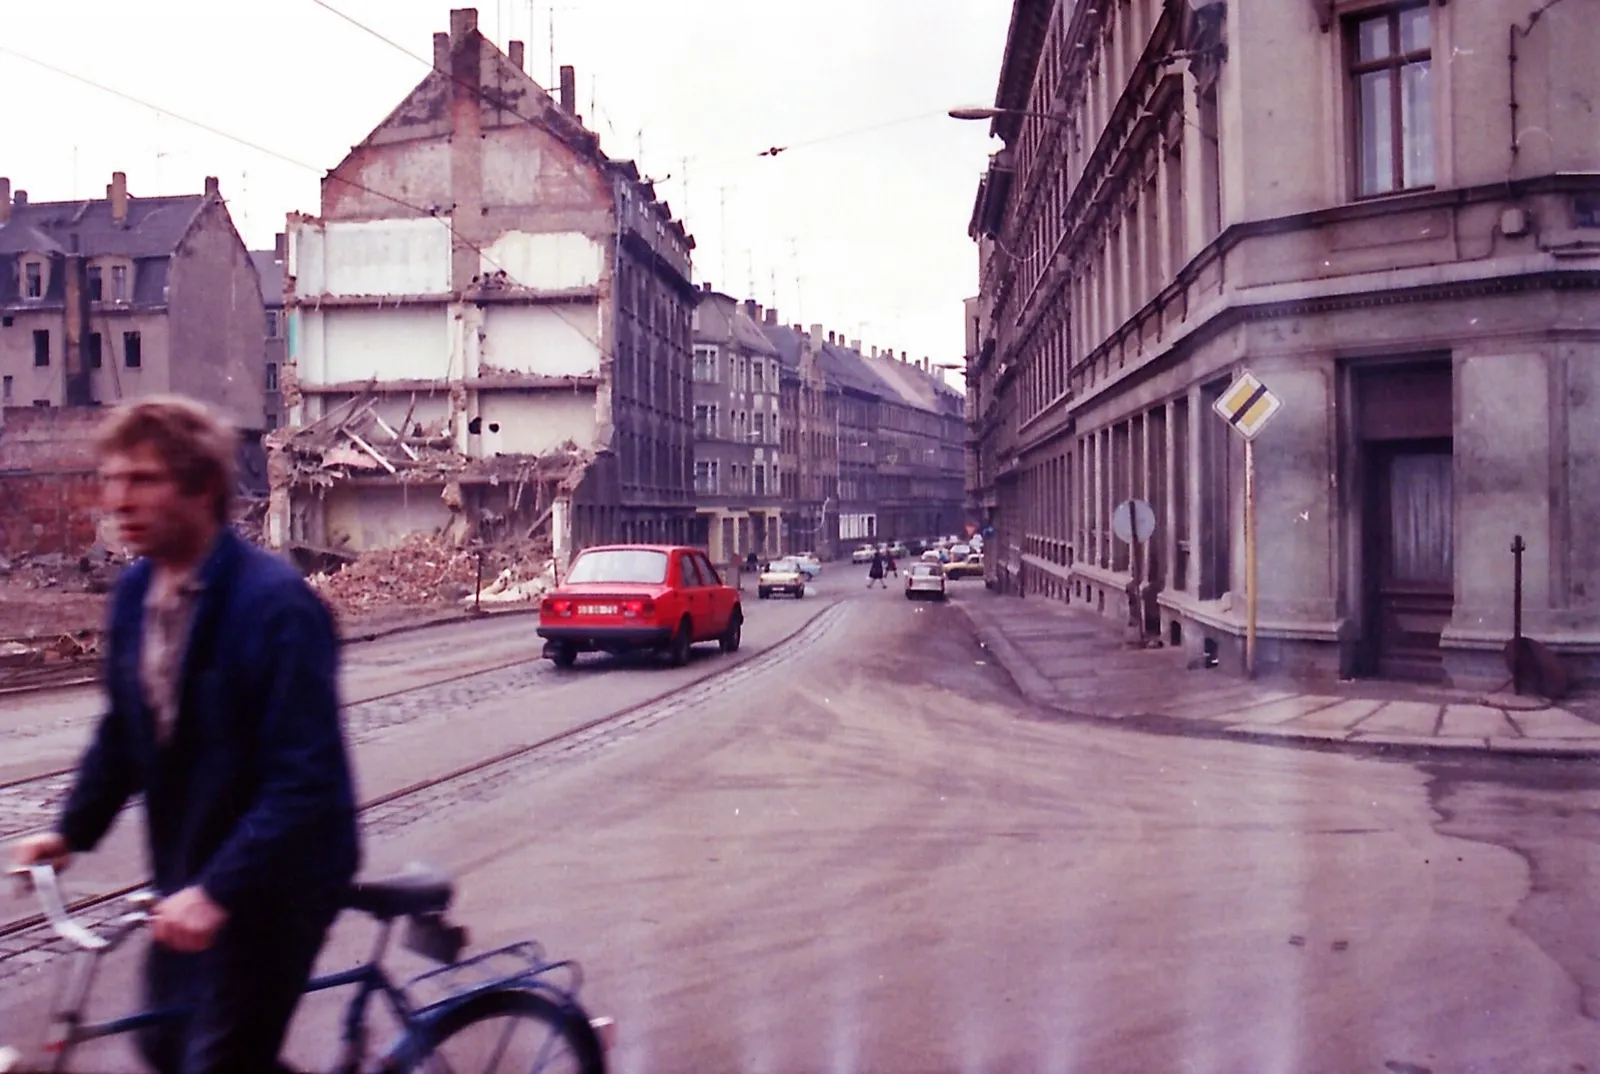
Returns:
<point x="890" y="565"/>
<point x="875" y="571"/>
<point x="223" y="713"/>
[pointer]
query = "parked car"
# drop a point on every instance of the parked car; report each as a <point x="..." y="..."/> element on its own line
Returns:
<point x="932" y="555"/>
<point x="925" y="580"/>
<point x="864" y="553"/>
<point x="969" y="566"/>
<point x="782" y="576"/>
<point x="899" y="550"/>
<point x="632" y="598"/>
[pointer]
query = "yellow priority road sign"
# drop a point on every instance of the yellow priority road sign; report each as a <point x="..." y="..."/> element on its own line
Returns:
<point x="1247" y="405"/>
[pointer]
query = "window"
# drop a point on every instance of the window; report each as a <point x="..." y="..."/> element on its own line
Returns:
<point x="619" y="565"/>
<point x="33" y="279"/>
<point x="272" y="324"/>
<point x="705" y="476"/>
<point x="119" y="283"/>
<point x="758" y="431"/>
<point x="132" y="350"/>
<point x="41" y="347"/>
<point x="705" y="421"/>
<point x="272" y="376"/>
<point x="96" y="285"/>
<point x="705" y="365"/>
<point x="95" y="358"/>
<point x="1391" y="100"/>
<point x="5" y="391"/>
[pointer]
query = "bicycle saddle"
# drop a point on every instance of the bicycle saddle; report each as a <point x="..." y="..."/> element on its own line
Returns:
<point x="419" y="889"/>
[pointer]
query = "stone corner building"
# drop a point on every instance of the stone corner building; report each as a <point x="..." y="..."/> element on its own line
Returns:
<point x="489" y="327"/>
<point x="1390" y="213"/>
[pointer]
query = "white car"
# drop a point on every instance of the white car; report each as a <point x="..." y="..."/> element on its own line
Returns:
<point x="810" y="565"/>
<point x="864" y="554"/>
<point x="782" y="576"/>
<point x="925" y="580"/>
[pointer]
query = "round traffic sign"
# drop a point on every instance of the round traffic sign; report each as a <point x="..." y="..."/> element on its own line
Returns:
<point x="1133" y="520"/>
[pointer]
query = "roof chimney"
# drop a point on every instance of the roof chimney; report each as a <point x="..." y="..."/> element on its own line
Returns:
<point x="463" y="20"/>
<point x="441" y="53"/>
<point x="20" y="198"/>
<point x="569" y="90"/>
<point x="213" y="189"/>
<point x="5" y="199"/>
<point x="706" y="286"/>
<point x="280" y="247"/>
<point x="516" y="54"/>
<point x="772" y="318"/>
<point x="830" y="337"/>
<point x="903" y="357"/>
<point x="118" y="193"/>
<point x="855" y="345"/>
<point x="752" y="310"/>
<point x="874" y="352"/>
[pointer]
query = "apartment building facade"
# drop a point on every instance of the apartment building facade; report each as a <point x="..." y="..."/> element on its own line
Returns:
<point x="490" y="326"/>
<point x="738" y="430"/>
<point x="1389" y="213"/>
<point x="107" y="299"/>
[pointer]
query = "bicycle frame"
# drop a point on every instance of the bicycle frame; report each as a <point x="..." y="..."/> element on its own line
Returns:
<point x="369" y="979"/>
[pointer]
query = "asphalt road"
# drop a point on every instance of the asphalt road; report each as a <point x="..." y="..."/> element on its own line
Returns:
<point x="863" y="853"/>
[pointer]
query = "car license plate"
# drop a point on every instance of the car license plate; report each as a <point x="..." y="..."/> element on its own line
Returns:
<point x="597" y="609"/>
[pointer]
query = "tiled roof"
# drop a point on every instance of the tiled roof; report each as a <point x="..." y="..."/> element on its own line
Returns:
<point x="270" y="269"/>
<point x="153" y="229"/>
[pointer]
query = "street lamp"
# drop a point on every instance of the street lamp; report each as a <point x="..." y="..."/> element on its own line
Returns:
<point x="996" y="113"/>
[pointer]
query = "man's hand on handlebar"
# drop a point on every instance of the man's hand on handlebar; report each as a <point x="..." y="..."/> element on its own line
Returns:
<point x="45" y="848"/>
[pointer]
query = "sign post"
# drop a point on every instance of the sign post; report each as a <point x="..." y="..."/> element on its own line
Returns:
<point x="1134" y="521"/>
<point x="1247" y="406"/>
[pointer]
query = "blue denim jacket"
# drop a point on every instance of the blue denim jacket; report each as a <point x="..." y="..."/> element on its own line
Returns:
<point x="251" y="797"/>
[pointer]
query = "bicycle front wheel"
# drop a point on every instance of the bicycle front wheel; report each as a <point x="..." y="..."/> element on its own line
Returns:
<point x="511" y="1031"/>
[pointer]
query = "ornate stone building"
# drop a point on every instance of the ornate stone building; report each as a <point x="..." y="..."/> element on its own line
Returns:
<point x="1390" y="213"/>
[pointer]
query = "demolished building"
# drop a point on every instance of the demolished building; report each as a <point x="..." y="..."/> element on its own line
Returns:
<point x="489" y="328"/>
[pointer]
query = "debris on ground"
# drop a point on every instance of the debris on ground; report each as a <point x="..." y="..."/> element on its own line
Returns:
<point x="427" y="569"/>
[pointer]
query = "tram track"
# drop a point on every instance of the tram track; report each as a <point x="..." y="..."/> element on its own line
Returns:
<point x="27" y="941"/>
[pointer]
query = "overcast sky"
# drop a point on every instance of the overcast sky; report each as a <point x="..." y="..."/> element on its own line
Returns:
<point x="859" y="225"/>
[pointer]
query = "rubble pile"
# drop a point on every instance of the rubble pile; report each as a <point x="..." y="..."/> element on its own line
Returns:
<point x="93" y="572"/>
<point x="427" y="569"/>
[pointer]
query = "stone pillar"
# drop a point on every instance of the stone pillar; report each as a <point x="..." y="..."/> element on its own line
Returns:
<point x="1197" y="414"/>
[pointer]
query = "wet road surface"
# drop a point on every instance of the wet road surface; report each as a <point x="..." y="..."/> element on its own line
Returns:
<point x="874" y="857"/>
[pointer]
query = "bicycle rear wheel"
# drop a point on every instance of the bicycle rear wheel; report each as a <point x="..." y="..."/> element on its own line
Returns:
<point x="511" y="1031"/>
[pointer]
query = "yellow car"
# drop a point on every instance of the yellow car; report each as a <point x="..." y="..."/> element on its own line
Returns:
<point x="781" y="576"/>
<point x="969" y="565"/>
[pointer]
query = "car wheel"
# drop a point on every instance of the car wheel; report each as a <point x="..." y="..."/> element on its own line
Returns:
<point x="763" y="593"/>
<point x="734" y="634"/>
<point x="563" y="654"/>
<point x="682" y="641"/>
<point x="798" y="593"/>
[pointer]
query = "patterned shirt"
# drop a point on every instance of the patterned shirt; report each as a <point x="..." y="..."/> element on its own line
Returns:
<point x="169" y="607"/>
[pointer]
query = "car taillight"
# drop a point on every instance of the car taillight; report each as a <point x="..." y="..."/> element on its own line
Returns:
<point x="559" y="608"/>
<point x="639" y="609"/>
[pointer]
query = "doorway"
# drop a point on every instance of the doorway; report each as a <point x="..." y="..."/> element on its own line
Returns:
<point x="1408" y="519"/>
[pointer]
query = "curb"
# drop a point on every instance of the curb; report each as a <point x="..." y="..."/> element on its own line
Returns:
<point x="1038" y="692"/>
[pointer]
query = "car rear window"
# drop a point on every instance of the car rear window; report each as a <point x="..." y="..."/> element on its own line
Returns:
<point x="924" y="568"/>
<point x="620" y="565"/>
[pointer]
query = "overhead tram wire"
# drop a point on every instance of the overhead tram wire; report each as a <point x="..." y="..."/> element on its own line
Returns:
<point x="277" y="155"/>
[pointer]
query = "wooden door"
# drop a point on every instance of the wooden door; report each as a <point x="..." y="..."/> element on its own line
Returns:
<point x="1411" y="556"/>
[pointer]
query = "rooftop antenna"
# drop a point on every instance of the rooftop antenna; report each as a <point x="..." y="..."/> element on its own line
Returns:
<point x="750" y="266"/>
<point x="683" y="170"/>
<point x="552" y="81"/>
<point x="722" y="235"/>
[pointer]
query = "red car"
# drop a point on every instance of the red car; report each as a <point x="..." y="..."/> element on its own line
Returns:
<point x="639" y="597"/>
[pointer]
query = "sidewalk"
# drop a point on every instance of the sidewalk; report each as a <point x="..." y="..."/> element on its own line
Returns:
<point x="1073" y="661"/>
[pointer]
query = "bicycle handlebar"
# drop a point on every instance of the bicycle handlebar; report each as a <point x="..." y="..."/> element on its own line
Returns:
<point x="41" y="878"/>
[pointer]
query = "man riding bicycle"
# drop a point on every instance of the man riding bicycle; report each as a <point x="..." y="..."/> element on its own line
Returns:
<point x="221" y="679"/>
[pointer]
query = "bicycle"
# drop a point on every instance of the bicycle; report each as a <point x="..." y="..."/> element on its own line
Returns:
<point x="512" y="987"/>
